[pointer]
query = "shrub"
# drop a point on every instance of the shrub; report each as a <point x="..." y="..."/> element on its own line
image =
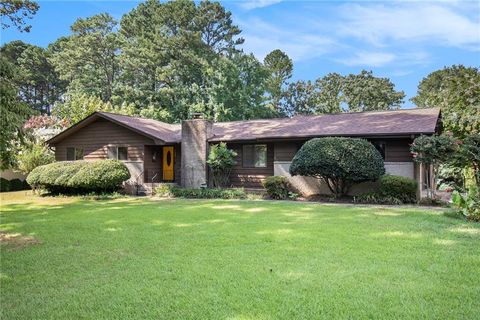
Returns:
<point x="4" y="185"/>
<point x="33" y="156"/>
<point x="16" y="185"/>
<point x="221" y="160"/>
<point x="79" y="176"/>
<point x="193" y="193"/>
<point x="377" y="198"/>
<point x="339" y="162"/>
<point x="164" y="190"/>
<point x="401" y="188"/>
<point x="277" y="187"/>
<point x="468" y="204"/>
<point x="26" y="186"/>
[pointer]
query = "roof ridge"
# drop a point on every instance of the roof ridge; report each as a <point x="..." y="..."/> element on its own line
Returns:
<point x="328" y="114"/>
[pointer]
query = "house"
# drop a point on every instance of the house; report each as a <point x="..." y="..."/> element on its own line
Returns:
<point x="155" y="151"/>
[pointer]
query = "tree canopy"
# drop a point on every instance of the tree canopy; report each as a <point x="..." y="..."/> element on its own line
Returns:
<point x="456" y="90"/>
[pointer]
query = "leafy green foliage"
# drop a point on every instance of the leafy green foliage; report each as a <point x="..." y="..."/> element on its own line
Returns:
<point x="401" y="188"/>
<point x="377" y="198"/>
<point x="280" y="68"/>
<point x="16" y="185"/>
<point x="278" y="187"/>
<point x="79" y="176"/>
<point x="34" y="155"/>
<point x="468" y="155"/>
<point x="336" y="93"/>
<point x="468" y="204"/>
<point x="17" y="11"/>
<point x="76" y="106"/>
<point x="37" y="81"/>
<point x="166" y="190"/>
<point x="433" y="149"/>
<point x="13" y="115"/>
<point x="456" y="90"/>
<point x="221" y="160"/>
<point x="4" y="185"/>
<point x="339" y="162"/>
<point x="88" y="57"/>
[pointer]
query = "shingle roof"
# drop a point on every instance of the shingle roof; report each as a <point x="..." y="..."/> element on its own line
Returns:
<point x="398" y="122"/>
<point x="157" y="129"/>
<point x="392" y="123"/>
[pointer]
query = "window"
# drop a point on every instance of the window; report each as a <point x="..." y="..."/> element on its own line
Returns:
<point x="255" y="156"/>
<point x="122" y="153"/>
<point x="117" y="153"/>
<point x="381" y="147"/>
<point x="74" y="154"/>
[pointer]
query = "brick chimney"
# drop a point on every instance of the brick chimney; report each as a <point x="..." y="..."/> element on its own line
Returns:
<point x="195" y="134"/>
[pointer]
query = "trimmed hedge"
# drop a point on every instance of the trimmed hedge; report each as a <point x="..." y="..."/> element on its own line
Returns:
<point x="16" y="185"/>
<point x="79" y="176"/>
<point x="4" y="185"/>
<point x="277" y="187"/>
<point x="166" y="190"/>
<point x="13" y="185"/>
<point x="402" y="188"/>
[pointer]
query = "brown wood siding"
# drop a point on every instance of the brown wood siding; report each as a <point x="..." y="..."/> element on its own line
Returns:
<point x="250" y="177"/>
<point x="397" y="150"/>
<point x="95" y="138"/>
<point x="285" y="151"/>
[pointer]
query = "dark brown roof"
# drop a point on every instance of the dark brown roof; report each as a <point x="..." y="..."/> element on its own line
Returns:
<point x="381" y="123"/>
<point x="156" y="130"/>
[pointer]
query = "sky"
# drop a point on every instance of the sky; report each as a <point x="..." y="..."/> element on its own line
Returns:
<point x="401" y="40"/>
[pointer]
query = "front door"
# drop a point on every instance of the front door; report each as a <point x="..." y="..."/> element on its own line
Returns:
<point x="168" y="163"/>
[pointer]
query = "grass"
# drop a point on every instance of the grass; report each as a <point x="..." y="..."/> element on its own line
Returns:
<point x="192" y="259"/>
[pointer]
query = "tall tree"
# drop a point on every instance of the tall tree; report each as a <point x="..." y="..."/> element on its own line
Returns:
<point x="216" y="26"/>
<point x="36" y="79"/>
<point x="365" y="92"/>
<point x="300" y="99"/>
<point x="456" y="90"/>
<point x="13" y="114"/>
<point x="336" y="93"/>
<point x="168" y="52"/>
<point x="280" y="67"/>
<point x="330" y="96"/>
<point x="17" y="11"/>
<point x="88" y="58"/>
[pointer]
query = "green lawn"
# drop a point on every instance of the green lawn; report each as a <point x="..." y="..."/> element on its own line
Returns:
<point x="193" y="259"/>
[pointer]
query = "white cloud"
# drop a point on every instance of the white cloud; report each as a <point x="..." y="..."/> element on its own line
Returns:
<point x="253" y="4"/>
<point x="262" y="37"/>
<point x="440" y="24"/>
<point x="370" y="59"/>
<point x="376" y="59"/>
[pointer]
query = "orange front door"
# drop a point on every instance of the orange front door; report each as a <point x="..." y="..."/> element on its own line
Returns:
<point x="168" y="163"/>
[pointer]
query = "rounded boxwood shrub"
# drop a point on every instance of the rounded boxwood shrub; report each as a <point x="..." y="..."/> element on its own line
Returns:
<point x="277" y="187"/>
<point x="16" y="185"/>
<point x="105" y="175"/>
<point x="79" y="176"/>
<point x="401" y="188"/>
<point x="4" y="185"/>
<point x="339" y="162"/>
